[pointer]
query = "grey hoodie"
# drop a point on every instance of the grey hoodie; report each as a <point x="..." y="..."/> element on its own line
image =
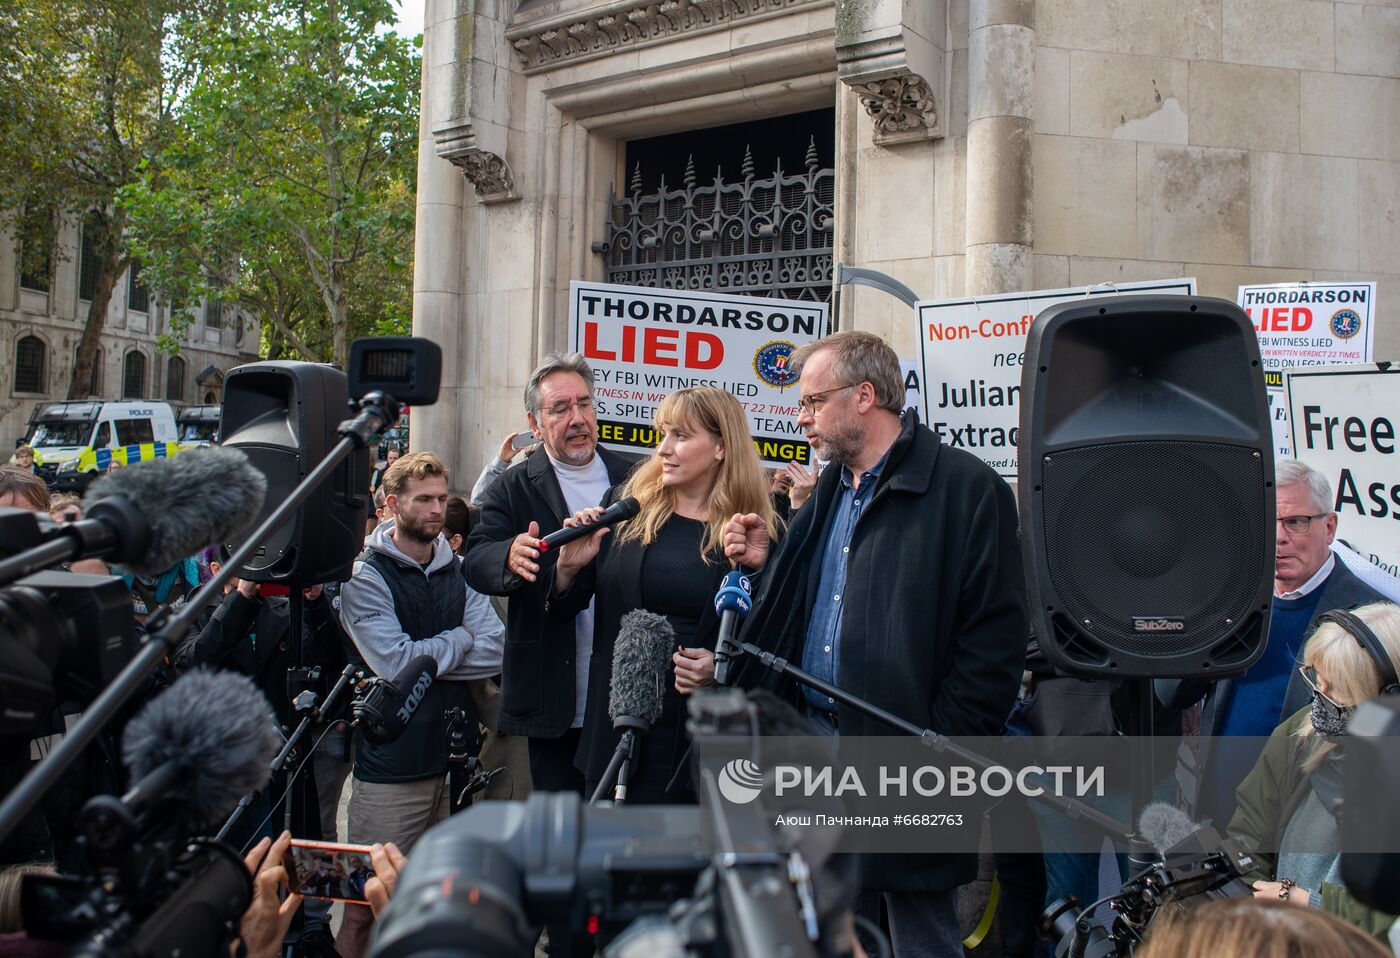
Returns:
<point x="471" y="650"/>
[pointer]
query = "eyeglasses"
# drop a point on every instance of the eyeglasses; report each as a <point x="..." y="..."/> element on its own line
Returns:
<point x="562" y="409"/>
<point x="1338" y="710"/>
<point x="810" y="404"/>
<point x="1297" y="525"/>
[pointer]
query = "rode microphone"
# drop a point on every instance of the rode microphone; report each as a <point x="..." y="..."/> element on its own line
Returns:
<point x="619" y="511"/>
<point x="148" y="516"/>
<point x="733" y="602"/>
<point x="389" y="705"/>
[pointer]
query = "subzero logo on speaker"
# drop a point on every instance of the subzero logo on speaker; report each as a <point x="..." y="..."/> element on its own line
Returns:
<point x="740" y="781"/>
<point x="1158" y="623"/>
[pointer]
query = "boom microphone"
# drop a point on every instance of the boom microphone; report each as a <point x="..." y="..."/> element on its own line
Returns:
<point x="732" y="602"/>
<point x="197" y="747"/>
<point x="640" y="658"/>
<point x="619" y="511"/>
<point x="386" y="710"/>
<point x="198" y="498"/>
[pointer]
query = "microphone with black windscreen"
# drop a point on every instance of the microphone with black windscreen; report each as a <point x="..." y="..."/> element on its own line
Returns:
<point x="390" y="704"/>
<point x="640" y="665"/>
<point x="619" y="511"/>
<point x="732" y="602"/>
<point x="191" y="753"/>
<point x="150" y="516"/>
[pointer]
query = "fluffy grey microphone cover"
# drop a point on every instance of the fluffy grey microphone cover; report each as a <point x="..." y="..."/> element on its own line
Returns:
<point x="221" y="731"/>
<point x="641" y="655"/>
<point x="1164" y="825"/>
<point x="195" y="499"/>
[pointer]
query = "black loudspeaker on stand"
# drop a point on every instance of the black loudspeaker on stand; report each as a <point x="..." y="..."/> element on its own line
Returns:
<point x="1146" y="487"/>
<point x="283" y="416"/>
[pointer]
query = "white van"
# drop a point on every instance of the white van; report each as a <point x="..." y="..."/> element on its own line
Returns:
<point x="199" y="425"/>
<point x="74" y="442"/>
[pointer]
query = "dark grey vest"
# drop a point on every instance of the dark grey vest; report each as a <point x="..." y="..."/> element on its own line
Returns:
<point x="425" y="605"/>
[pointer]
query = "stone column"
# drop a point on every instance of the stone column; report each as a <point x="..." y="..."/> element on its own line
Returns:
<point x="1001" y="71"/>
<point x="437" y="253"/>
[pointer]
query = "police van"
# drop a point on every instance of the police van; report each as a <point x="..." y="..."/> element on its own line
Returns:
<point x="199" y="425"/>
<point x="75" y="442"/>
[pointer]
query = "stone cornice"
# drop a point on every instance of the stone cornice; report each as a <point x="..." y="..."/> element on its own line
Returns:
<point x="626" y="24"/>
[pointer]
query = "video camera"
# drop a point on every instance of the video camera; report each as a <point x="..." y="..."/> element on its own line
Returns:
<point x="62" y="636"/>
<point x="1200" y="868"/>
<point x="717" y="879"/>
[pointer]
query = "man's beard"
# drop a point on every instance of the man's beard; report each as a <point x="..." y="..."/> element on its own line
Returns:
<point x="417" y="531"/>
<point x="842" y="445"/>
<point x="577" y="458"/>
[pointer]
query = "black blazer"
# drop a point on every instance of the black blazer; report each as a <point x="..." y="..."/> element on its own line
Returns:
<point x="537" y="674"/>
<point x="614" y="581"/>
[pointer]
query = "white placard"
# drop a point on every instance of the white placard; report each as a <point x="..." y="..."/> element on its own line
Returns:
<point x="1343" y="420"/>
<point x="913" y="390"/>
<point x="1307" y="324"/>
<point x="972" y="355"/>
<point x="644" y="344"/>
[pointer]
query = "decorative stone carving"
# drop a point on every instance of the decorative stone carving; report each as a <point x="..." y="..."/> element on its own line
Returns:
<point x="627" y="23"/>
<point x="899" y="105"/>
<point x="891" y="54"/>
<point x="488" y="174"/>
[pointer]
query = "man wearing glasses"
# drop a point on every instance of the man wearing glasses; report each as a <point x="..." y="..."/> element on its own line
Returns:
<point x="900" y="581"/>
<point x="545" y="672"/>
<point x="1308" y="581"/>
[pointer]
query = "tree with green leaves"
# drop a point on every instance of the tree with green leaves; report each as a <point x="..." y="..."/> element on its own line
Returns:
<point x="290" y="188"/>
<point x="88" y="90"/>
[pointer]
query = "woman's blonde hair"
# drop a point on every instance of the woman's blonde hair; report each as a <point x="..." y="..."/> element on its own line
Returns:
<point x="11" y="877"/>
<point x="739" y="485"/>
<point x="1258" y="928"/>
<point x="1352" y="676"/>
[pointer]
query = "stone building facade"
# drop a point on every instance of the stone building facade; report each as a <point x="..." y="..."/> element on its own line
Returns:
<point x="981" y="146"/>
<point x="42" y="317"/>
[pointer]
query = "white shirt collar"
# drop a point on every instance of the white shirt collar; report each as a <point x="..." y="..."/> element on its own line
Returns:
<point x="1319" y="577"/>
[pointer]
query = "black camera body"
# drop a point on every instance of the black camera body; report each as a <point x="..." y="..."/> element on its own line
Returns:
<point x="62" y="636"/>
<point x="713" y="879"/>
<point x="1199" y="869"/>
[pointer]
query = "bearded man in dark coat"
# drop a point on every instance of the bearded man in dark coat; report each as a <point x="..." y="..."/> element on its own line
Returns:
<point x="900" y="581"/>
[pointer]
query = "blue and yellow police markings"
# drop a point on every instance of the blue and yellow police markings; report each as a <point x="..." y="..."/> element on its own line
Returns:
<point x="102" y="459"/>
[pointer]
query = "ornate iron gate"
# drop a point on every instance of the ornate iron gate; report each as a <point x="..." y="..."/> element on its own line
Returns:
<point x="769" y="237"/>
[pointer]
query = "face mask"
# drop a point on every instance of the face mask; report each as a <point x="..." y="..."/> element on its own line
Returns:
<point x="1325" y="720"/>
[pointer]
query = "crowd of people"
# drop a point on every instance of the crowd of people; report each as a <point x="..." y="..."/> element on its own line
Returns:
<point x="891" y="567"/>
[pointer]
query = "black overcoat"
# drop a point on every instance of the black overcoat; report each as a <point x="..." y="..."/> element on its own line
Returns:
<point x="537" y="673"/>
<point x="934" y="626"/>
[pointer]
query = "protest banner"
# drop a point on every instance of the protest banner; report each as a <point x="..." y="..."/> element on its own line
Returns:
<point x="644" y="344"/>
<point x="1307" y="324"/>
<point x="972" y="350"/>
<point x="1343" y="423"/>
<point x="913" y="389"/>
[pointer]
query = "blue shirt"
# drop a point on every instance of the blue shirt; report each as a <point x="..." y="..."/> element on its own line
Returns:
<point x="822" y="650"/>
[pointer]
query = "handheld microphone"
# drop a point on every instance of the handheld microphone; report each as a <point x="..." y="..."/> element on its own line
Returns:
<point x="619" y="511"/>
<point x="388" y="706"/>
<point x="195" y="749"/>
<point x="732" y="602"/>
<point x="641" y="655"/>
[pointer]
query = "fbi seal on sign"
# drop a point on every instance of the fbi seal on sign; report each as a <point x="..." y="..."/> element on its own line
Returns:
<point x="1346" y="323"/>
<point x="773" y="364"/>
